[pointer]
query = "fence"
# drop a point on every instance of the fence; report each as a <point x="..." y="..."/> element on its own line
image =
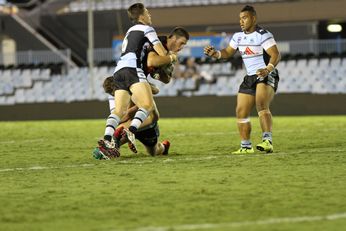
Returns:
<point x="33" y="57"/>
<point x="335" y="46"/>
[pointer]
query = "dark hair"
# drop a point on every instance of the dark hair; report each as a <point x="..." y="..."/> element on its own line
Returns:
<point x="134" y="11"/>
<point x="179" y="32"/>
<point x="109" y="85"/>
<point x="251" y="9"/>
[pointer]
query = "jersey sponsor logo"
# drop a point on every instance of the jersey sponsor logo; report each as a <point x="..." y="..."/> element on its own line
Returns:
<point x="248" y="51"/>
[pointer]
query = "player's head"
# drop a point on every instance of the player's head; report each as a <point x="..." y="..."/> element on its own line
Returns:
<point x="248" y="19"/>
<point x="177" y="39"/>
<point x="138" y="13"/>
<point x="109" y="85"/>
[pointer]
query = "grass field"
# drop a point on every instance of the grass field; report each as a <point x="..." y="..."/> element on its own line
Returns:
<point x="49" y="180"/>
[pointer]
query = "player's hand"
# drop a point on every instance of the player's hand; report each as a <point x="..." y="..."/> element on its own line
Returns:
<point x="263" y="72"/>
<point x="174" y="57"/>
<point x="209" y="51"/>
<point x="168" y="69"/>
<point x="154" y="89"/>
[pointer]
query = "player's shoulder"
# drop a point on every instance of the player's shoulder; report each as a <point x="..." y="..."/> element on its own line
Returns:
<point x="141" y="27"/>
<point x="263" y="32"/>
<point x="163" y="39"/>
<point x="237" y="36"/>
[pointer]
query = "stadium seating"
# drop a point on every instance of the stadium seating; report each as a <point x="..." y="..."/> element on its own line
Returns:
<point x="38" y="85"/>
<point x="82" y="5"/>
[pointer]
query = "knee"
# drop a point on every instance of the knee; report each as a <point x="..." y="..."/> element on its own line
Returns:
<point x="152" y="150"/>
<point x="241" y="113"/>
<point x="149" y="106"/>
<point x="120" y="111"/>
<point x="261" y="106"/>
<point x="264" y="112"/>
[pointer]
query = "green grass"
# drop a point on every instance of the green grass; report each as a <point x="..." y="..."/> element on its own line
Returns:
<point x="49" y="181"/>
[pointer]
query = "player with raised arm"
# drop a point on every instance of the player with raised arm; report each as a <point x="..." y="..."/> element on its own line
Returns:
<point x="260" y="83"/>
<point x="130" y="80"/>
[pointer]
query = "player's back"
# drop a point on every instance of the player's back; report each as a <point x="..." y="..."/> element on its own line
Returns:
<point x="132" y="46"/>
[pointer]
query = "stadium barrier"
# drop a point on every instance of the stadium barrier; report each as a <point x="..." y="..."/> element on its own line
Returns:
<point x="169" y="107"/>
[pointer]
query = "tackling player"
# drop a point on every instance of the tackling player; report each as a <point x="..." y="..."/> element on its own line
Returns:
<point x="153" y="65"/>
<point x="130" y="80"/>
<point x="260" y="83"/>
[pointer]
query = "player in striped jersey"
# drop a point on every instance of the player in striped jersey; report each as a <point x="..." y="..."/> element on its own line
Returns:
<point x="259" y="85"/>
<point x="130" y="80"/>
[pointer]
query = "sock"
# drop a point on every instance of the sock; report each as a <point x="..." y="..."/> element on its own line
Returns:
<point x="245" y="144"/>
<point x="140" y="116"/>
<point x="111" y="124"/>
<point x="267" y="136"/>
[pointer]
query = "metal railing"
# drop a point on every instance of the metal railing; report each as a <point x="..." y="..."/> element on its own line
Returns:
<point x="316" y="47"/>
<point x="33" y="57"/>
<point x="99" y="5"/>
<point x="303" y="47"/>
<point x="313" y="46"/>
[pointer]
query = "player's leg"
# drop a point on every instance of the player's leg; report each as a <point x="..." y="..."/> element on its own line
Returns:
<point x="264" y="96"/>
<point x="160" y="148"/>
<point x="121" y="105"/>
<point x="107" y="147"/>
<point x="142" y="96"/>
<point x="111" y="103"/>
<point x="245" y="103"/>
<point x="148" y="136"/>
<point x="120" y="137"/>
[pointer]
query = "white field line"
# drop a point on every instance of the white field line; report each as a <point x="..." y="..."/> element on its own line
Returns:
<point x="164" y="160"/>
<point x="269" y="221"/>
<point x="45" y="168"/>
<point x="22" y="141"/>
<point x="149" y="160"/>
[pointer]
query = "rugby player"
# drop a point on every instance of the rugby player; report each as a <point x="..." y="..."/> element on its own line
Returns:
<point x="260" y="83"/>
<point x="130" y="80"/>
<point x="153" y="64"/>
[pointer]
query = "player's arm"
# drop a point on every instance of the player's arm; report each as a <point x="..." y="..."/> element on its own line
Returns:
<point x="275" y="57"/>
<point x="155" y="60"/>
<point x="157" y="45"/>
<point x="274" y="54"/>
<point x="161" y="51"/>
<point x="156" y="114"/>
<point x="130" y="113"/>
<point x="221" y="54"/>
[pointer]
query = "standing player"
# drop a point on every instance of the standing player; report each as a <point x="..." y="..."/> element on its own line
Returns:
<point x="260" y="83"/>
<point x="130" y="80"/>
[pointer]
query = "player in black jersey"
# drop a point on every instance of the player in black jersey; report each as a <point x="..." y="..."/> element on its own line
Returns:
<point x="261" y="81"/>
<point x="130" y="80"/>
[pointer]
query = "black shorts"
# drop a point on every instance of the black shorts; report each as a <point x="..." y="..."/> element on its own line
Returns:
<point x="127" y="76"/>
<point x="248" y="86"/>
<point x="149" y="135"/>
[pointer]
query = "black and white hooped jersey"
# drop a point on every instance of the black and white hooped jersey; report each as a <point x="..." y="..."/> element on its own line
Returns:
<point x="251" y="48"/>
<point x="132" y="45"/>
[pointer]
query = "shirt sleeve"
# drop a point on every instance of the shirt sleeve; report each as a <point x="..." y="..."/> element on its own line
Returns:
<point x="150" y="33"/>
<point x="267" y="40"/>
<point x="233" y="43"/>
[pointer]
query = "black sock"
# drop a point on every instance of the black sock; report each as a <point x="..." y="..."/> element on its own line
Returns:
<point x="107" y="137"/>
<point x="133" y="129"/>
